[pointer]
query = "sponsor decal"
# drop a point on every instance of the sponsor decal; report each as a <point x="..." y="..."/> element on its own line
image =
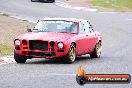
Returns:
<point x="83" y="78"/>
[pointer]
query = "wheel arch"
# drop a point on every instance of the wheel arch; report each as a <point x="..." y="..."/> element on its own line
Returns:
<point x="99" y="40"/>
<point x="74" y="43"/>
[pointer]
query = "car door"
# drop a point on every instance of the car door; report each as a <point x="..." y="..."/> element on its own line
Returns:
<point x="91" y="38"/>
<point x="88" y="37"/>
<point x="82" y="42"/>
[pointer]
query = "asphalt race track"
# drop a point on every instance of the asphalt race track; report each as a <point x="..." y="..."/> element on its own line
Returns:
<point x="116" y="58"/>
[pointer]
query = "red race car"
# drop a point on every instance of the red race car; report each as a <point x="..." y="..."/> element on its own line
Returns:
<point x="64" y="38"/>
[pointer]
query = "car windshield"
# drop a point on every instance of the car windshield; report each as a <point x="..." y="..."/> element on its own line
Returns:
<point x="56" y="26"/>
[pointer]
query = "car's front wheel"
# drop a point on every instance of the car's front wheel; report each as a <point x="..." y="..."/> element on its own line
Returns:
<point x="71" y="56"/>
<point x="97" y="51"/>
<point x="19" y="58"/>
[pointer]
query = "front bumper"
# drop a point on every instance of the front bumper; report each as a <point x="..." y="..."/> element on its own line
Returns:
<point x="41" y="54"/>
<point x="39" y="48"/>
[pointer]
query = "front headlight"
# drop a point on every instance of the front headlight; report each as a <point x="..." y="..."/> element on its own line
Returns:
<point x="60" y="45"/>
<point x="17" y="42"/>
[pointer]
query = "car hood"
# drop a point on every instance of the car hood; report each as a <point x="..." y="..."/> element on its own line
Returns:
<point x="46" y="36"/>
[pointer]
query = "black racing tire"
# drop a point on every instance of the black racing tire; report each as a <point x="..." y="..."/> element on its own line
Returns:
<point x="50" y="1"/>
<point x="71" y="56"/>
<point x="97" y="51"/>
<point x="34" y="0"/>
<point x="19" y="58"/>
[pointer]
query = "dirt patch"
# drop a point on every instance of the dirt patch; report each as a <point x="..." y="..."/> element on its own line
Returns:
<point x="10" y="28"/>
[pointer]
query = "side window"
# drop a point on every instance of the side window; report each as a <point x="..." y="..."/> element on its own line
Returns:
<point x="81" y="28"/>
<point x="90" y="27"/>
<point x="86" y="27"/>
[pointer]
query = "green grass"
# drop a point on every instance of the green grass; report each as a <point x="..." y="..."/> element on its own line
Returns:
<point x="113" y="4"/>
<point x="5" y="50"/>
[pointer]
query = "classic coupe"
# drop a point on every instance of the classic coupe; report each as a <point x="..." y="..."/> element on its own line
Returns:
<point x="59" y="38"/>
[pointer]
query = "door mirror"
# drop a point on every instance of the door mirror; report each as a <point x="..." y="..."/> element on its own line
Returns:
<point x="29" y="30"/>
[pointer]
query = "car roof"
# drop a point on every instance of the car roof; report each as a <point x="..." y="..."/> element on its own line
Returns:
<point x="67" y="19"/>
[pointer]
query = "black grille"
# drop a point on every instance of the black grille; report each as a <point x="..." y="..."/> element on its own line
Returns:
<point x="38" y="45"/>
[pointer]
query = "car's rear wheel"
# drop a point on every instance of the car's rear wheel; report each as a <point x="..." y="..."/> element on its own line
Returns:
<point x="97" y="51"/>
<point x="19" y="58"/>
<point x="71" y="56"/>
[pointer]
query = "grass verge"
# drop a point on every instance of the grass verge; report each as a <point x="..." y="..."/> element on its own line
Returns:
<point x="10" y="28"/>
<point x="6" y="50"/>
<point x="118" y="5"/>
